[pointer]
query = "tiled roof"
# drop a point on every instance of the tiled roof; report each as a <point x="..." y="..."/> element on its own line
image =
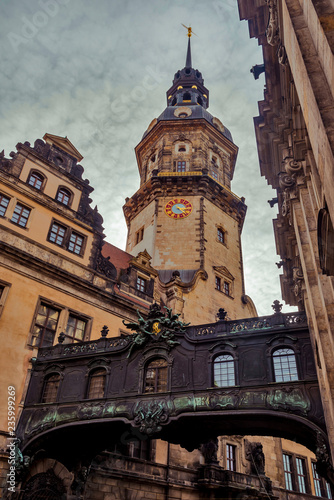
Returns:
<point x="118" y="257"/>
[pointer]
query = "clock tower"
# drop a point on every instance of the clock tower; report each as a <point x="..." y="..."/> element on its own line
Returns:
<point x="184" y="214"/>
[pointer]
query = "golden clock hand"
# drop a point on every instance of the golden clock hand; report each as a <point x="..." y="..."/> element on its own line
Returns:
<point x="182" y="209"/>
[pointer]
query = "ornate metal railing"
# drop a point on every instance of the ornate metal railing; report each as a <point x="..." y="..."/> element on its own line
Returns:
<point x="274" y="322"/>
<point x="219" y="329"/>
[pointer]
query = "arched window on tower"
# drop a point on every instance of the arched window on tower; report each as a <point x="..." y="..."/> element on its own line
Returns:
<point x="285" y="366"/>
<point x="96" y="384"/>
<point x="50" y="389"/>
<point x="187" y="96"/>
<point x="224" y="371"/>
<point x="200" y="101"/>
<point x="156" y="376"/>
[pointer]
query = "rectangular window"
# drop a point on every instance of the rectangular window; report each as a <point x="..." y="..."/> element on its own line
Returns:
<point x="45" y="326"/>
<point x="316" y="481"/>
<point x="288" y="471"/>
<point x="230" y="457"/>
<point x="301" y="474"/>
<point x="181" y="166"/>
<point x="75" y="329"/>
<point x="215" y="175"/>
<point x="20" y="215"/>
<point x="141" y="284"/>
<point x="321" y="487"/>
<point x="57" y="234"/>
<point x="226" y="288"/>
<point x="218" y="283"/>
<point x="220" y="235"/>
<point x="4" y="201"/>
<point x="139" y="235"/>
<point x="76" y="243"/>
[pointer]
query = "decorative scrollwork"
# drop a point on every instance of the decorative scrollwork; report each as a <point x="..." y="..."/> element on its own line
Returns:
<point x="158" y="326"/>
<point x="253" y="324"/>
<point x="292" y="167"/>
<point x="272" y="31"/>
<point x="149" y="416"/>
<point x="204" y="331"/>
<point x="80" y="348"/>
<point x="282" y="55"/>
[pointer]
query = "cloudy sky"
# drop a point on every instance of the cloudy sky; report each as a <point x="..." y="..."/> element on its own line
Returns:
<point x="97" y="72"/>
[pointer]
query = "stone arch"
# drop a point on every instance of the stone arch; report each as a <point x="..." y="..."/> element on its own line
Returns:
<point x="48" y="480"/>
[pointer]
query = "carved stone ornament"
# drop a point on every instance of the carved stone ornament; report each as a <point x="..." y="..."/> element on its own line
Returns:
<point x="292" y="167"/>
<point x="286" y="181"/>
<point x="286" y="209"/>
<point x="158" y="326"/>
<point x="105" y="267"/>
<point x="209" y="451"/>
<point x="272" y="31"/>
<point x="149" y="416"/>
<point x="254" y="453"/>
<point x="282" y="55"/>
<point x="297" y="278"/>
<point x="324" y="466"/>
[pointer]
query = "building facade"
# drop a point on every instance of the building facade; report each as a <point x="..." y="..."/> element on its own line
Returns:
<point x="183" y="252"/>
<point x="294" y="132"/>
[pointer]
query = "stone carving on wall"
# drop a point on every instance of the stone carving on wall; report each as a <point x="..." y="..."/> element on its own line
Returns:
<point x="298" y="279"/>
<point x="272" y="31"/>
<point x="324" y="466"/>
<point x="254" y="453"/>
<point x="158" y="326"/>
<point x="209" y="451"/>
<point x="282" y="55"/>
<point x="105" y="267"/>
<point x="149" y="416"/>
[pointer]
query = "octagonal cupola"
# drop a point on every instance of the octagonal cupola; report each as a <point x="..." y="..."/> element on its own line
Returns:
<point x="188" y="85"/>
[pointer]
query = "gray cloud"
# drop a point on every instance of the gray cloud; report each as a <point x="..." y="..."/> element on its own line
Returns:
<point x="98" y="72"/>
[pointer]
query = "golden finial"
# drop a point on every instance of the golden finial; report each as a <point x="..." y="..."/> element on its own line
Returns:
<point x="190" y="31"/>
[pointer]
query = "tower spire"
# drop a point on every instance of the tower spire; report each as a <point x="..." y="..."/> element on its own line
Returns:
<point x="188" y="60"/>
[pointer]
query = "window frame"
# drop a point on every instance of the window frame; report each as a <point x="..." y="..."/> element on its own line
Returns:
<point x="231" y="458"/>
<point x="276" y="367"/>
<point x="215" y="373"/>
<point x="45" y="383"/>
<point x="44" y="326"/>
<point x="64" y="314"/>
<point x="157" y="369"/>
<point x="69" y="231"/>
<point x="77" y="317"/>
<point x="182" y="164"/>
<point x="218" y="283"/>
<point x="42" y="177"/>
<point x="2" y="195"/>
<point x="24" y="207"/>
<point x="70" y="196"/>
<point x="321" y="483"/>
<point x="93" y="373"/>
<point x="221" y="235"/>
<point x="139" y="235"/>
<point x="141" y="284"/>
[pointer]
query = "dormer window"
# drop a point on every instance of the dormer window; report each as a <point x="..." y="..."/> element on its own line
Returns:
<point x="36" y="180"/>
<point x="64" y="196"/>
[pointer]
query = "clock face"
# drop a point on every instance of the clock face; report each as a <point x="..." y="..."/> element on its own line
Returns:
<point x="179" y="208"/>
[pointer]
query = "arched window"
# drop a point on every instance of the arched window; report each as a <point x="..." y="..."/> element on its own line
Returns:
<point x="156" y="376"/>
<point x="285" y="367"/>
<point x="36" y="180"/>
<point x="50" y="389"/>
<point x="200" y="101"/>
<point x="96" y="384"/>
<point x="187" y="96"/>
<point x="224" y="371"/>
<point x="64" y="196"/>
